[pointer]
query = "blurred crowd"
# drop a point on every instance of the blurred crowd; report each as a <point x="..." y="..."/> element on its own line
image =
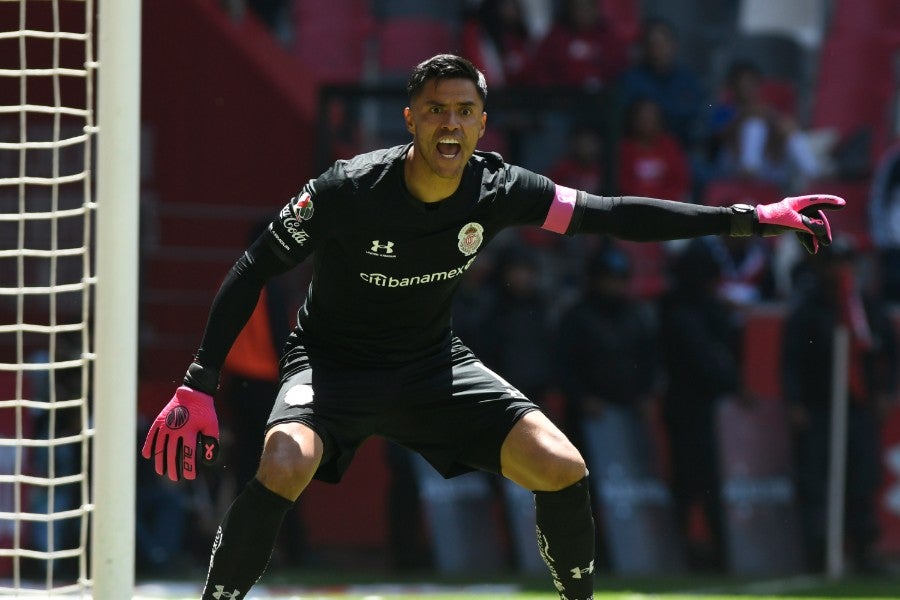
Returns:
<point x="651" y="335"/>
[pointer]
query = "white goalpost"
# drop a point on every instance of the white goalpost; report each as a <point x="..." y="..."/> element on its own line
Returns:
<point x="69" y="154"/>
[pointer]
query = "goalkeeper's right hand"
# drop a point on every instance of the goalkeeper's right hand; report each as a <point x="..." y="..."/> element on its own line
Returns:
<point x="802" y="214"/>
<point x="186" y="426"/>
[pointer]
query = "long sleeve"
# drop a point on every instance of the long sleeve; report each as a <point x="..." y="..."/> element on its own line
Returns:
<point x="647" y="219"/>
<point x="234" y="303"/>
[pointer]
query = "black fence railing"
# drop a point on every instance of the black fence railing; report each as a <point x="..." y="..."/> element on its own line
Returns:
<point x="528" y="126"/>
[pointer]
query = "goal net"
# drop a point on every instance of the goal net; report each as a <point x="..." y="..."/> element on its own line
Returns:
<point x="49" y="290"/>
<point x="46" y="130"/>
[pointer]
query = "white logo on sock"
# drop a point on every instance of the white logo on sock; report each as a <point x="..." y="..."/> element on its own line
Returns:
<point x="221" y="594"/>
<point x="577" y="573"/>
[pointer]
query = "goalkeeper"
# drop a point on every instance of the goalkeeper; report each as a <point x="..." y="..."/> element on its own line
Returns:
<point x="391" y="233"/>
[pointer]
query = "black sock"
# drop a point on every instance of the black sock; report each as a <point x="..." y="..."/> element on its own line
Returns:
<point x="565" y="528"/>
<point x="244" y="542"/>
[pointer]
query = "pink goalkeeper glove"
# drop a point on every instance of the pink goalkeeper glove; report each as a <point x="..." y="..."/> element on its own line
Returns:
<point x="185" y="426"/>
<point x="802" y="214"/>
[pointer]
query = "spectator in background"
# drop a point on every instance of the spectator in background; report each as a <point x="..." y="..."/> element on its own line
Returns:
<point x="751" y="138"/>
<point x="651" y="162"/>
<point x="582" y="50"/>
<point x="521" y="336"/>
<point x="828" y="294"/>
<point x="884" y="221"/>
<point x="495" y="38"/>
<point x="582" y="166"/>
<point x="701" y="341"/>
<point x="608" y="348"/>
<point x="747" y="273"/>
<point x="658" y="75"/>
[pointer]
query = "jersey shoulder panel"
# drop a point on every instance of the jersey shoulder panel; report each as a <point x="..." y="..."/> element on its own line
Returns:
<point x="522" y="196"/>
<point x="360" y="173"/>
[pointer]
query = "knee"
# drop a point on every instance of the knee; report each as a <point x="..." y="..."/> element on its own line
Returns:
<point x="539" y="457"/>
<point x="566" y="471"/>
<point x="289" y="460"/>
<point x="554" y="469"/>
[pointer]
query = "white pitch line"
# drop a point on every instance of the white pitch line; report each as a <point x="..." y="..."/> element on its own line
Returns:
<point x="768" y="587"/>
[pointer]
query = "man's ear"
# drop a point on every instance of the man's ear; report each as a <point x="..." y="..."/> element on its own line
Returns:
<point x="410" y="125"/>
<point x="483" y="124"/>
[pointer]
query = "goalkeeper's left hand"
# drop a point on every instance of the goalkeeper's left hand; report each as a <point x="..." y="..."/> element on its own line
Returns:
<point x="801" y="214"/>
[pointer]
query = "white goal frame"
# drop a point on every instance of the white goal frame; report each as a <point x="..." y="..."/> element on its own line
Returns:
<point x="116" y="301"/>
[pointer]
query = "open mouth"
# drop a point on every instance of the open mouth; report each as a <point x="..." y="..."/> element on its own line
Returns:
<point x="448" y="147"/>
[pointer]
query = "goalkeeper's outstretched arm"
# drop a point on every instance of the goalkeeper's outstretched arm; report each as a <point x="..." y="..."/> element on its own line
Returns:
<point x="651" y="219"/>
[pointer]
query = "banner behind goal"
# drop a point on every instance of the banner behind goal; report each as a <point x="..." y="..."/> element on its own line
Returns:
<point x="56" y="277"/>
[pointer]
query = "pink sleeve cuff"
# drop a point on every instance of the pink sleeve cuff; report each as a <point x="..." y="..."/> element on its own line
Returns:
<point x="561" y="209"/>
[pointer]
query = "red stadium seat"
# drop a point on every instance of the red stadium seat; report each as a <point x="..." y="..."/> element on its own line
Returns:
<point x="404" y="42"/>
<point x="854" y="88"/>
<point x="333" y="38"/>
<point x="859" y="20"/>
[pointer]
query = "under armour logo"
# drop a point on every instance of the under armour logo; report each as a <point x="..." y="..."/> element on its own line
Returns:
<point x="577" y="573"/>
<point x="221" y="594"/>
<point x="514" y="392"/>
<point x="387" y="248"/>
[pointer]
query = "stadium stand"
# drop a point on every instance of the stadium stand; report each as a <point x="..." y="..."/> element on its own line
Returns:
<point x="625" y="14"/>
<point x="235" y="85"/>
<point x="780" y="57"/>
<point x="334" y="38"/>
<point x="801" y="20"/>
<point x="856" y="72"/>
<point x="403" y="41"/>
<point x="723" y="192"/>
<point x="439" y="10"/>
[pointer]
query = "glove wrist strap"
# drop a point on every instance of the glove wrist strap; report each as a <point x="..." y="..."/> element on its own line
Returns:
<point x="743" y="220"/>
<point x="203" y="379"/>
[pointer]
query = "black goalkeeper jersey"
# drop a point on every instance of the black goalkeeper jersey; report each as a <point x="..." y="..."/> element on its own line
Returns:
<point x="386" y="265"/>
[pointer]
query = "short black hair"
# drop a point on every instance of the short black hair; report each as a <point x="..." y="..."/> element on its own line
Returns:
<point x="445" y="66"/>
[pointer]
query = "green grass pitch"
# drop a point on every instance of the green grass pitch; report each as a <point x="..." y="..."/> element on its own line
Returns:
<point x="797" y="588"/>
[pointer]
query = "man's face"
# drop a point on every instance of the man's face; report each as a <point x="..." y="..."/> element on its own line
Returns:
<point x="446" y="120"/>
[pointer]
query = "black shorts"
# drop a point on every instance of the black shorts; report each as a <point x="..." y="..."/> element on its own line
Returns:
<point x="450" y="408"/>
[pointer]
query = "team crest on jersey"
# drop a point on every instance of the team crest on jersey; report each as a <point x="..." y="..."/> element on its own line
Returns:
<point x="303" y="208"/>
<point x="470" y="238"/>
